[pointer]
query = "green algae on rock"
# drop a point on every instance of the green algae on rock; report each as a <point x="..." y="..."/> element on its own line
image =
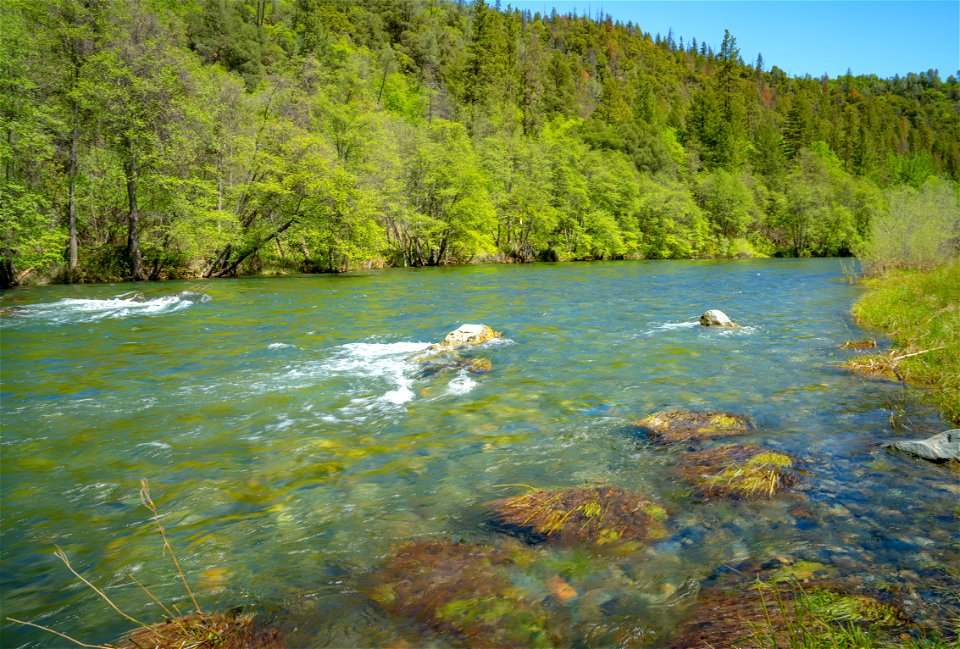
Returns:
<point x="593" y="515"/>
<point x="683" y="425"/>
<point x="465" y="589"/>
<point x="737" y="470"/>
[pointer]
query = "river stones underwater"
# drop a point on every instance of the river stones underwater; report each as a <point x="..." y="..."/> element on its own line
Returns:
<point x="468" y="589"/>
<point x="685" y="425"/>
<point x="231" y="630"/>
<point x="591" y="515"/>
<point x="738" y="470"/>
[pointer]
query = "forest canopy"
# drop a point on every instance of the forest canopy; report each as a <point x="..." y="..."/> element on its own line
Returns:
<point x="147" y="139"/>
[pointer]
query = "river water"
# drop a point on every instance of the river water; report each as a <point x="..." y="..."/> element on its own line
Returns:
<point x="290" y="442"/>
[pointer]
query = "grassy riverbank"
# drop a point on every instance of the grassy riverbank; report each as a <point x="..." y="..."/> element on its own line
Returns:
<point x="921" y="311"/>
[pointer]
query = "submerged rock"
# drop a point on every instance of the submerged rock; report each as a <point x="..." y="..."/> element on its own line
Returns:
<point x="683" y="425"/>
<point x="750" y="609"/>
<point x="466" y="589"/>
<point x="740" y="471"/>
<point x="592" y="515"/>
<point x="942" y="447"/>
<point x="716" y="318"/>
<point x="232" y="630"/>
<point x="467" y="335"/>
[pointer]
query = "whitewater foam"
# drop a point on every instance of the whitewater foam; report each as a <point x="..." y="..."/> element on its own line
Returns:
<point x="461" y="384"/>
<point x="121" y="306"/>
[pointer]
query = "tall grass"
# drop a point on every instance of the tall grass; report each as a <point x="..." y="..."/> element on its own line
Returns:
<point x="921" y="310"/>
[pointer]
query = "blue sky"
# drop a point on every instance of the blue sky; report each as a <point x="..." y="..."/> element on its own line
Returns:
<point x="810" y="37"/>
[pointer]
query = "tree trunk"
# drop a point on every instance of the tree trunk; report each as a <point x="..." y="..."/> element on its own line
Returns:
<point x="133" y="224"/>
<point x="75" y="136"/>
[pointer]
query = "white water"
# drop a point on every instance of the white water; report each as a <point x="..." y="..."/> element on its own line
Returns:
<point x="71" y="310"/>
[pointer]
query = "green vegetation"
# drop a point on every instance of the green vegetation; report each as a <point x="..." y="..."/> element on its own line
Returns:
<point x="151" y="139"/>
<point x="921" y="310"/>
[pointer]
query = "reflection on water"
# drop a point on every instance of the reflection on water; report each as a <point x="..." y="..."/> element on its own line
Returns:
<point x="293" y="443"/>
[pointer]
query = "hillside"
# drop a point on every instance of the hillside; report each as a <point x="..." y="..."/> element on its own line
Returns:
<point x="147" y="139"/>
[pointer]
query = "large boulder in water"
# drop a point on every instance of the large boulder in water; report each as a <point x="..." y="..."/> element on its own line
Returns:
<point x="467" y="335"/>
<point x="942" y="447"/>
<point x="716" y="318"/>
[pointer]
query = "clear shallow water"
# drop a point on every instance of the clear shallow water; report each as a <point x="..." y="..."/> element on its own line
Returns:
<point x="290" y="442"/>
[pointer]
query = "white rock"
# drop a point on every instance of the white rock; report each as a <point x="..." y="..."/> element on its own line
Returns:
<point x="716" y="318"/>
<point x="469" y="334"/>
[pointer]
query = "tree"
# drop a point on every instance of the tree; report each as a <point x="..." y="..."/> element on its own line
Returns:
<point x="137" y="88"/>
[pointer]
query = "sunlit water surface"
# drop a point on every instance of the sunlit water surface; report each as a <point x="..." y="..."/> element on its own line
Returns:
<point x="290" y="442"/>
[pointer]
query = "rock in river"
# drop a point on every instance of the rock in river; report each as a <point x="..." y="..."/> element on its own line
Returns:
<point x="685" y="425"/>
<point x="590" y="515"/>
<point x="942" y="447"/>
<point x="716" y="318"/>
<point x="467" y="335"/>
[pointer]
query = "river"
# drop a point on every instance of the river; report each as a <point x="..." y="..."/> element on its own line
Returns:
<point x="291" y="443"/>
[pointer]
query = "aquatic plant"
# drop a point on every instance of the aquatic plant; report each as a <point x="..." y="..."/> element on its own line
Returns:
<point x="739" y="470"/>
<point x="596" y="515"/>
<point x="683" y="425"/>
<point x="465" y="589"/>
<point x="231" y="630"/>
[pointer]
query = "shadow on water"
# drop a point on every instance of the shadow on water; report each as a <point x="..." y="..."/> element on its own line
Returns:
<point x="296" y="448"/>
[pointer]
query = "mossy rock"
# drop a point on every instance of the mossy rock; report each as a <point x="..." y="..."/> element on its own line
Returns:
<point x="593" y="515"/>
<point x="479" y="366"/>
<point x="465" y="589"/>
<point x="231" y="630"/>
<point x="737" y="470"/>
<point x="685" y="425"/>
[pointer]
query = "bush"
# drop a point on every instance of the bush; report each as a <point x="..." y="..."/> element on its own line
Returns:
<point x="920" y="229"/>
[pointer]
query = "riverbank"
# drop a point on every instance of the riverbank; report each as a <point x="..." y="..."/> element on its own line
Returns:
<point x="921" y="311"/>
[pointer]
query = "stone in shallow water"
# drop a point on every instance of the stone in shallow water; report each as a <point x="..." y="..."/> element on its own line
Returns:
<point x="232" y="630"/>
<point x="942" y="447"/>
<point x="716" y="318"/>
<point x="592" y="515"/>
<point x="468" y="334"/>
<point x="684" y="425"/>
<point x="739" y="471"/>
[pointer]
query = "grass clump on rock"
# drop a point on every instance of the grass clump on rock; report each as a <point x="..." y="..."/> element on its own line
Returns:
<point x="593" y="515"/>
<point x="464" y="589"/>
<point x="685" y="425"/>
<point x="739" y="470"/>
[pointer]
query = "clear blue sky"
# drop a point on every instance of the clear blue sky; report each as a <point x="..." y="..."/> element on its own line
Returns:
<point x="812" y="37"/>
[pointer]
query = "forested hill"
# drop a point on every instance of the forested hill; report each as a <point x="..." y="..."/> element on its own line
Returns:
<point x="161" y="138"/>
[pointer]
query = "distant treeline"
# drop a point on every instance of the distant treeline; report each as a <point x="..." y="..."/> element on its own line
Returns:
<point x="158" y="138"/>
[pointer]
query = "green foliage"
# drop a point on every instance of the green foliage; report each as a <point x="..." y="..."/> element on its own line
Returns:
<point x="920" y="229"/>
<point x="226" y="136"/>
<point x="923" y="311"/>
